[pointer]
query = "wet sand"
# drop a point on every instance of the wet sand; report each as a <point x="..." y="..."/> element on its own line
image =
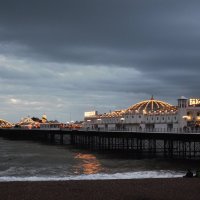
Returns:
<point x="177" y="188"/>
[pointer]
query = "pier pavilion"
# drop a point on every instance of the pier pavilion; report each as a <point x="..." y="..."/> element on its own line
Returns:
<point x="5" y="124"/>
<point x="148" y="115"/>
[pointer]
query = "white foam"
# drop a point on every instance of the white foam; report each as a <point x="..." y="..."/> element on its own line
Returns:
<point x="128" y="175"/>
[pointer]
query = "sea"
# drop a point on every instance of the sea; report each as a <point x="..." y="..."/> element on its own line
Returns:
<point x="22" y="160"/>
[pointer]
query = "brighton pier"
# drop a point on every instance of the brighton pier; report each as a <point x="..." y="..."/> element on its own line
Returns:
<point x="149" y="128"/>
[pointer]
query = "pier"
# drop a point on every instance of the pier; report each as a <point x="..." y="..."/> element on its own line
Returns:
<point x="152" y="144"/>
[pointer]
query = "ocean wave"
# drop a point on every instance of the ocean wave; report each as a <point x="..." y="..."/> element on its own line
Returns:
<point x="127" y="175"/>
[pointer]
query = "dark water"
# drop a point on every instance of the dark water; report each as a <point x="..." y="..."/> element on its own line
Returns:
<point x="27" y="160"/>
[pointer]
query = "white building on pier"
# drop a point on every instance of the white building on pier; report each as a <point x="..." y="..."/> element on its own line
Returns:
<point x="148" y="115"/>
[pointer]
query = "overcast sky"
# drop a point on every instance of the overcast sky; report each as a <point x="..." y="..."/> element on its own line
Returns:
<point x="65" y="57"/>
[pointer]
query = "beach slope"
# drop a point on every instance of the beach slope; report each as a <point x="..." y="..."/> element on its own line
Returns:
<point x="170" y="188"/>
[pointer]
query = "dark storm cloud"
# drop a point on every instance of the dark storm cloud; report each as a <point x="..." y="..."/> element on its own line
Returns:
<point x="98" y="31"/>
<point x="110" y="46"/>
<point x="80" y="31"/>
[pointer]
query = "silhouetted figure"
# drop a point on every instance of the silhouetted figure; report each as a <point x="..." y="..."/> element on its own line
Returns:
<point x="197" y="173"/>
<point x="189" y="174"/>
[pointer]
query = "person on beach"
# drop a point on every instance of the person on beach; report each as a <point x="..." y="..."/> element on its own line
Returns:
<point x="189" y="174"/>
<point x="197" y="173"/>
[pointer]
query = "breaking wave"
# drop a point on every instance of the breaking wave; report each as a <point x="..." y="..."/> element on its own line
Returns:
<point x="128" y="175"/>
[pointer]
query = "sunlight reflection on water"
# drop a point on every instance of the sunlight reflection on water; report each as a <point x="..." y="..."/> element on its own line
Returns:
<point x="88" y="164"/>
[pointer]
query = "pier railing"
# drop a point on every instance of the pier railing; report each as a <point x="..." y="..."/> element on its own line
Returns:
<point x="146" y="130"/>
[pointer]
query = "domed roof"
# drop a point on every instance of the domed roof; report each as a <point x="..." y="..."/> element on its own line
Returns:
<point x="151" y="105"/>
<point x="5" y="124"/>
<point x="183" y="98"/>
<point x="26" y="121"/>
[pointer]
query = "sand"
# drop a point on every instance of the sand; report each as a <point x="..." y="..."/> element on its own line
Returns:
<point x="177" y="188"/>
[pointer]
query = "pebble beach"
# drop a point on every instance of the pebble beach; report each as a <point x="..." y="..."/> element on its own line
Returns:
<point x="167" y="188"/>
